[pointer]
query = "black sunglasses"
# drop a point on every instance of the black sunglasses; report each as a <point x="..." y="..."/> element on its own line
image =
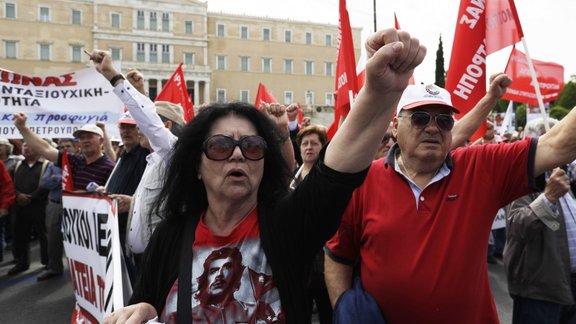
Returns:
<point x="421" y="119"/>
<point x="221" y="147"/>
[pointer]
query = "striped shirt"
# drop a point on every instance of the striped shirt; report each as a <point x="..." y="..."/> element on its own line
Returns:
<point x="83" y="173"/>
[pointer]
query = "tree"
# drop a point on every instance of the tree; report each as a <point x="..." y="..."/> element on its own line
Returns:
<point x="521" y="115"/>
<point x="567" y="97"/>
<point x="440" y="72"/>
<point x="559" y="112"/>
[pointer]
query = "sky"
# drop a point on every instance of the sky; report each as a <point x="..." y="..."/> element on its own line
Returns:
<point x="548" y="25"/>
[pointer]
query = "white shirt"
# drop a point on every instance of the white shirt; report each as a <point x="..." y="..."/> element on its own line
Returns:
<point x="142" y="221"/>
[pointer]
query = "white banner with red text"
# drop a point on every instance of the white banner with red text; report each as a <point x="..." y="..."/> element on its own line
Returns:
<point x="57" y="105"/>
<point x="92" y="246"/>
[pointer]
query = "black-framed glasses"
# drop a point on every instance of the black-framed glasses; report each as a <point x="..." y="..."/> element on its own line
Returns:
<point x="221" y="147"/>
<point x="421" y="119"/>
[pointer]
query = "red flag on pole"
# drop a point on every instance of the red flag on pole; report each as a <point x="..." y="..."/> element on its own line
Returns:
<point x="397" y="26"/>
<point x="175" y="92"/>
<point x="263" y="95"/>
<point x="482" y="28"/>
<point x="346" y="85"/>
<point x="67" y="181"/>
<point x="550" y="78"/>
<point x="300" y="115"/>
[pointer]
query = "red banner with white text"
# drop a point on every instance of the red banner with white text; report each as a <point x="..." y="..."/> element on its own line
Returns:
<point x="550" y="78"/>
<point x="482" y="27"/>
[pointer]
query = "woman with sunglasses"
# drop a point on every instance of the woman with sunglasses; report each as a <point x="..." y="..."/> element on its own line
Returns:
<point x="227" y="190"/>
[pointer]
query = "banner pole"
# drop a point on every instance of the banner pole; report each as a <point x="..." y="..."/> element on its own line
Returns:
<point x="536" y="85"/>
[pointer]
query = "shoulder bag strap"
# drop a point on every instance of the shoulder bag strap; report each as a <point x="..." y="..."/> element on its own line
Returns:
<point x="184" y="310"/>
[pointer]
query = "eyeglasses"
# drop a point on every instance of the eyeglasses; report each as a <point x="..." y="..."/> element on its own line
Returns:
<point x="221" y="147"/>
<point x="421" y="119"/>
<point x="388" y="137"/>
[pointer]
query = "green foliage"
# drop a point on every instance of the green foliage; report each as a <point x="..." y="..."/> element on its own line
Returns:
<point x="501" y="106"/>
<point x="559" y="112"/>
<point x="440" y="72"/>
<point x="521" y="115"/>
<point x="567" y="97"/>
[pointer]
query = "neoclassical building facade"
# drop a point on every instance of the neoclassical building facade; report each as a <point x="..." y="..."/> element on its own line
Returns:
<point x="224" y="55"/>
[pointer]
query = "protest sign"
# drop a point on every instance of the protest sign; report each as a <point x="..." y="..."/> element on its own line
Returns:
<point x="57" y="105"/>
<point x="92" y="246"/>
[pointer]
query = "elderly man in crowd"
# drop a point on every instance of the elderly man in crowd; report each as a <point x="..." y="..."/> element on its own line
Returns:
<point x="540" y="252"/>
<point x="91" y="165"/>
<point x="421" y="219"/>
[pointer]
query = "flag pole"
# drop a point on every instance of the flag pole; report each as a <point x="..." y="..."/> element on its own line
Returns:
<point x="536" y="85"/>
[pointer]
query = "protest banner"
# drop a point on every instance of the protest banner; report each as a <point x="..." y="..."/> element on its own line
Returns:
<point x="92" y="246"/>
<point x="57" y="105"/>
<point x="550" y="78"/>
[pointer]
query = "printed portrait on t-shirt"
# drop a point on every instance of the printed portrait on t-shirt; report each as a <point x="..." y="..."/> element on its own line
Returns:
<point x="229" y="289"/>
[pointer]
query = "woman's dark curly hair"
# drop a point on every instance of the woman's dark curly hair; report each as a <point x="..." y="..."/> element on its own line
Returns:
<point x="184" y="194"/>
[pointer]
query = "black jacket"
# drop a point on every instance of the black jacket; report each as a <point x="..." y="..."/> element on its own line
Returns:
<point x="291" y="232"/>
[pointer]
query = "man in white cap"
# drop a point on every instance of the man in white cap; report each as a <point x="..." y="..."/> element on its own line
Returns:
<point x="91" y="165"/>
<point x="419" y="224"/>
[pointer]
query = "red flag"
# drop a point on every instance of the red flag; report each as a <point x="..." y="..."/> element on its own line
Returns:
<point x="345" y="68"/>
<point x="67" y="181"/>
<point x="397" y="26"/>
<point x="263" y="95"/>
<point x="482" y="28"/>
<point x="175" y="92"/>
<point x="300" y="115"/>
<point x="361" y="70"/>
<point x="550" y="78"/>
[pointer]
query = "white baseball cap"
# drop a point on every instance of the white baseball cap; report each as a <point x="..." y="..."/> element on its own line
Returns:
<point x="423" y="95"/>
<point x="88" y="128"/>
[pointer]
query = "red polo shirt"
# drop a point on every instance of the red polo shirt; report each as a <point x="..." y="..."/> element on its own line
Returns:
<point x="427" y="264"/>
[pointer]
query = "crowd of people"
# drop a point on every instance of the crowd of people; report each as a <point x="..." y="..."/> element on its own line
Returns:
<point x="245" y="215"/>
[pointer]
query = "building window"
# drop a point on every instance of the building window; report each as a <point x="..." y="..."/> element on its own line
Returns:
<point x="220" y="30"/>
<point x="165" y="22"/>
<point x="165" y="53"/>
<point x="140" y="52"/>
<point x="288" y="66"/>
<point x="188" y="27"/>
<point x="45" y="52"/>
<point x="244" y="63"/>
<point x="221" y="62"/>
<point x="309" y="67"/>
<point x="288" y="97"/>
<point x="266" y="65"/>
<point x="308" y="38"/>
<point x="140" y="19"/>
<point x="115" y="20"/>
<point x="153" y="21"/>
<point x="266" y="34"/>
<point x="76" y="17"/>
<point x="10" y="10"/>
<point x="220" y="95"/>
<point x="328" y="68"/>
<point x="77" y="54"/>
<point x="329" y="99"/>
<point x="288" y="36"/>
<point x="10" y="48"/>
<point x="116" y="54"/>
<point x="153" y="55"/>
<point x="244" y="32"/>
<point x="189" y="58"/>
<point x="44" y="14"/>
<point x="309" y="97"/>
<point x="328" y="39"/>
<point x="244" y="95"/>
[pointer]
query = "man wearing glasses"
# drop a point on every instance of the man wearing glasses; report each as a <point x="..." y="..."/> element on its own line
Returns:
<point x="420" y="222"/>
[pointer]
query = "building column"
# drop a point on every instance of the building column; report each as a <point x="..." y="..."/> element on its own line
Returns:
<point x="147" y="85"/>
<point x="206" y="92"/>
<point x="196" y="93"/>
